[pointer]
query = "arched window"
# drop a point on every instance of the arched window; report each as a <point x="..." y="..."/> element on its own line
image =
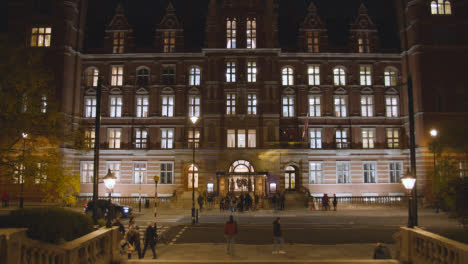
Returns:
<point x="339" y="76"/>
<point x="290" y="178"/>
<point x="441" y="7"/>
<point x="143" y="76"/>
<point x="194" y="76"/>
<point x="91" y="77"/>
<point x="241" y="166"/>
<point x="192" y="171"/>
<point x="390" y="77"/>
<point x="287" y="76"/>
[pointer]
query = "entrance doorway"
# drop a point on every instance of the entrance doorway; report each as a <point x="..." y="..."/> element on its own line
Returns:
<point x="290" y="178"/>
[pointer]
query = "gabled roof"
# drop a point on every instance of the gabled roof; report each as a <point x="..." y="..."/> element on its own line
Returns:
<point x="170" y="20"/>
<point x="119" y="21"/>
<point x="363" y="21"/>
<point x="312" y="19"/>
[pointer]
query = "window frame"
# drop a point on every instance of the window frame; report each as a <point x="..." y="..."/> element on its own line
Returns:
<point x="114" y="142"/>
<point x="441" y="7"/>
<point x="112" y="163"/>
<point x="191" y="139"/>
<point x="142" y="179"/>
<point x="368" y="138"/>
<point x="231" y="33"/>
<point x="312" y="38"/>
<point x="339" y="76"/>
<point x="347" y="172"/>
<point x="90" y="172"/>
<point x="318" y="176"/>
<point x="89" y="110"/>
<point x="390" y="77"/>
<point x="140" y="140"/>
<point x="315" y="109"/>
<point x="117" y="74"/>
<point x="230" y="71"/>
<point x="91" y="77"/>
<point x="342" y="106"/>
<point x="41" y="39"/>
<point x="342" y="142"/>
<point x="313" y="73"/>
<point x="287" y="76"/>
<point x="167" y="141"/>
<point x="251" y="33"/>
<point x="252" y="104"/>
<point x="169" y="41"/>
<point x="142" y="106"/>
<point x="315" y="138"/>
<point x="367" y="105"/>
<point x="167" y="105"/>
<point x="194" y="105"/>
<point x="194" y="76"/>
<point x="289" y="105"/>
<point x="392" y="142"/>
<point x="164" y="173"/>
<point x="115" y="106"/>
<point x="366" y="179"/>
<point x="252" y="71"/>
<point x="143" y="75"/>
<point x="391" y="178"/>
<point x="394" y="108"/>
<point x="118" y="42"/>
<point x="168" y="74"/>
<point x="231" y="99"/>
<point x="365" y="75"/>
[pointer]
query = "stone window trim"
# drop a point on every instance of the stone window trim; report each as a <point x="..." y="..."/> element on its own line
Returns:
<point x="339" y="75"/>
<point x="287" y="75"/>
<point x="41" y="36"/>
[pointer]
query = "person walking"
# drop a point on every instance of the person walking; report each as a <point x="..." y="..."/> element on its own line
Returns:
<point x="325" y="202"/>
<point x="335" y="202"/>
<point x="4" y="199"/>
<point x="200" y="202"/>
<point x="150" y="240"/>
<point x="277" y="237"/>
<point x="119" y="224"/>
<point x="133" y="240"/>
<point x="230" y="230"/>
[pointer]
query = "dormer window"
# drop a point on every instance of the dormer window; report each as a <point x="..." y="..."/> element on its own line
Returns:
<point x="363" y="43"/>
<point x="169" y="41"/>
<point x="231" y="33"/>
<point x="441" y="7"/>
<point x="40" y="36"/>
<point x="312" y="41"/>
<point x="251" y="33"/>
<point x="119" y="41"/>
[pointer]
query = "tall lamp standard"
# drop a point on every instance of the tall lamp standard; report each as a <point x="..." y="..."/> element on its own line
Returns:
<point x="433" y="134"/>
<point x="408" y="181"/>
<point x="156" y="179"/>
<point x="24" y="136"/>
<point x="194" y="120"/>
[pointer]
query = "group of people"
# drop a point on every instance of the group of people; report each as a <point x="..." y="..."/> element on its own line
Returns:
<point x="326" y="203"/>
<point x="238" y="204"/>
<point x="206" y="198"/>
<point x="277" y="201"/>
<point x="131" y="242"/>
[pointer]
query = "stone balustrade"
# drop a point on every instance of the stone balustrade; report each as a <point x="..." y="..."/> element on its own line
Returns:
<point x="417" y="246"/>
<point x="100" y="246"/>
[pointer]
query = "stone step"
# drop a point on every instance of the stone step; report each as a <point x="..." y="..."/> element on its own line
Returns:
<point x="325" y="261"/>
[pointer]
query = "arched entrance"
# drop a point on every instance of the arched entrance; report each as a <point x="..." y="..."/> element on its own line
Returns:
<point x="241" y="177"/>
<point x="290" y="178"/>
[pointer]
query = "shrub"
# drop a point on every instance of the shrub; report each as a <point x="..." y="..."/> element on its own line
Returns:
<point x="49" y="224"/>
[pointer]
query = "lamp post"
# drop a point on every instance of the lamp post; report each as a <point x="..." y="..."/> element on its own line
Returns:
<point x="24" y="136"/>
<point x="97" y="140"/>
<point x="409" y="181"/>
<point x="194" y="120"/>
<point x="156" y="179"/>
<point x="434" y="134"/>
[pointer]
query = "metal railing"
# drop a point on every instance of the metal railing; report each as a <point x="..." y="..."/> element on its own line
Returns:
<point x="127" y="200"/>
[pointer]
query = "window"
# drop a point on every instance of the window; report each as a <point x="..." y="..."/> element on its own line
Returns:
<point x="251" y="104"/>
<point x="441" y="7"/>
<point x="142" y="103"/>
<point x="390" y="77"/>
<point x="341" y="138"/>
<point x="210" y="187"/>
<point x="92" y="76"/>
<point x="339" y="77"/>
<point x="314" y="105"/>
<point x="391" y="105"/>
<point x="314" y="75"/>
<point x="365" y="75"/>
<point x="231" y="33"/>
<point x="463" y="168"/>
<point x="117" y="76"/>
<point x="342" y="172"/>
<point x="195" y="139"/>
<point x="87" y="171"/>
<point x="396" y="171"/>
<point x="168" y="74"/>
<point x="251" y="71"/>
<point x="245" y="138"/>
<point x="367" y="105"/>
<point x="312" y="41"/>
<point x="40" y="36"/>
<point x="192" y="176"/>
<point x="287" y="76"/>
<point x="231" y="71"/>
<point x="241" y="138"/>
<point x="315" y="138"/>
<point x="167" y="105"/>
<point x="230" y="104"/>
<point x="24" y="102"/>
<point x="231" y="138"/>
<point x="369" y="171"/>
<point x="194" y="105"/>
<point x="368" y="138"/>
<point x="363" y="43"/>
<point x="89" y="106"/>
<point x="194" y="76"/>
<point x="167" y="138"/>
<point x="119" y="41"/>
<point x="169" y="41"/>
<point x="393" y="138"/>
<point x="288" y="105"/>
<point x="115" y="105"/>
<point x="43" y="104"/>
<point x="89" y="137"/>
<point x="114" y="138"/>
<point x="167" y="173"/>
<point x="141" y="138"/>
<point x="143" y="76"/>
<point x="340" y="105"/>
<point x="114" y="167"/>
<point x="139" y="172"/>
<point x="252" y="138"/>
<point x="315" y="172"/>
<point x="290" y="178"/>
<point x="251" y="33"/>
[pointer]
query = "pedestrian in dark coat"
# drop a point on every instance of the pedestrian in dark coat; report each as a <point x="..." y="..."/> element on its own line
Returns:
<point x="335" y="202"/>
<point x="277" y="237"/>
<point x="230" y="231"/>
<point x="382" y="252"/>
<point x="200" y="202"/>
<point x="150" y="240"/>
<point x="325" y="202"/>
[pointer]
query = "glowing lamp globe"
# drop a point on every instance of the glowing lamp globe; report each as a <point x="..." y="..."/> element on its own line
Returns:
<point x="408" y="182"/>
<point x="109" y="180"/>
<point x="433" y="132"/>
<point x="194" y="119"/>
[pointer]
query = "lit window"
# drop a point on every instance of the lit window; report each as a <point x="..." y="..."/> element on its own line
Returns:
<point x="312" y="41"/>
<point x="231" y="138"/>
<point x="192" y="176"/>
<point x="251" y="71"/>
<point x="314" y="75"/>
<point x="167" y="138"/>
<point x="340" y="105"/>
<point x="210" y="187"/>
<point x="168" y="74"/>
<point x="90" y="106"/>
<point x="396" y="171"/>
<point x="115" y="105"/>
<point x="341" y="138"/>
<point x="367" y="105"/>
<point x="241" y="138"/>
<point x="368" y="138"/>
<point x="87" y="171"/>
<point x="115" y="135"/>
<point x="363" y="43"/>
<point x="142" y="103"/>
<point x="143" y="76"/>
<point x="194" y="76"/>
<point x="251" y="33"/>
<point x="463" y="168"/>
<point x="390" y="77"/>
<point x="315" y="172"/>
<point x="251" y="104"/>
<point x="287" y="76"/>
<point x="230" y="71"/>
<point x="141" y="138"/>
<point x="391" y="105"/>
<point x="315" y="138"/>
<point x="342" y="172"/>
<point x="40" y="36"/>
<point x="288" y="105"/>
<point x="114" y="167"/>
<point x="89" y="137"/>
<point x="230" y="104"/>
<point x="393" y="138"/>
<point x="369" y="169"/>
<point x="169" y="41"/>
<point x="139" y="172"/>
<point x="167" y="105"/>
<point x="194" y="105"/>
<point x="339" y="77"/>
<point x="41" y="176"/>
<point x="119" y="41"/>
<point x="24" y="102"/>
<point x="314" y="105"/>
<point x="252" y="138"/>
<point x="231" y="33"/>
<point x="167" y="173"/>
<point x="441" y="7"/>
<point x="192" y="139"/>
<point x="117" y="76"/>
<point x="43" y="104"/>
<point x="92" y="76"/>
<point x="365" y="75"/>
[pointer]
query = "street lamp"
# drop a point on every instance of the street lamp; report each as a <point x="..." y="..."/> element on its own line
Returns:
<point x="194" y="120"/>
<point x="409" y="182"/>
<point x="434" y="134"/>
<point x="156" y="179"/>
<point x="109" y="182"/>
<point x="24" y="136"/>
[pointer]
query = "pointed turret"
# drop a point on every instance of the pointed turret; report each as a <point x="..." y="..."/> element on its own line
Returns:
<point x="119" y="38"/>
<point x="170" y="32"/>
<point x="364" y="38"/>
<point x="312" y="32"/>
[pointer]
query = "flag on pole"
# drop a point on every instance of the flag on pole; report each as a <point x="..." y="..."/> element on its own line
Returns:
<point x="306" y="126"/>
